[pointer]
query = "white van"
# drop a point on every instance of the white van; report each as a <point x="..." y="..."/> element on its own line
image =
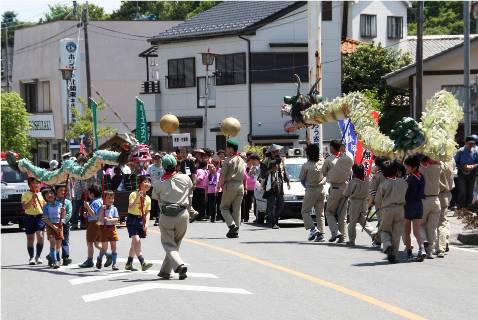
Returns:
<point x="14" y="184"/>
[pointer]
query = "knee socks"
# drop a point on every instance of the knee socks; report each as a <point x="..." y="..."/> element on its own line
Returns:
<point x="141" y="259"/>
<point x="114" y="255"/>
<point x="39" y="249"/>
<point x="30" y="251"/>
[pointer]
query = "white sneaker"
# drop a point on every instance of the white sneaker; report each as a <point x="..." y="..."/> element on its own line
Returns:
<point x="38" y="260"/>
<point x="312" y="234"/>
<point x="31" y="261"/>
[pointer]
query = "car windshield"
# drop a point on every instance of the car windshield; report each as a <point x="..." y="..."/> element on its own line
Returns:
<point x="11" y="176"/>
<point x="293" y="170"/>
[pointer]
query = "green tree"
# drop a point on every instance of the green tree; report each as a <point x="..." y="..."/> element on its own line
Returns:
<point x="67" y="12"/>
<point x="364" y="69"/>
<point x="441" y="17"/>
<point x="160" y="10"/>
<point x="83" y="125"/>
<point x="15" y="124"/>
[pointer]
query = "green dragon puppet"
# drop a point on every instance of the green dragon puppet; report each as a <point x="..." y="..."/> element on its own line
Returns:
<point x="434" y="136"/>
<point x="131" y="151"/>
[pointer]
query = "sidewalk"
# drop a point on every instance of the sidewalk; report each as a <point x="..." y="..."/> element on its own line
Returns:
<point x="457" y="233"/>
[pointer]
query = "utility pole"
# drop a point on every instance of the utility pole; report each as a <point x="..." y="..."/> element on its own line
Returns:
<point x="7" y="63"/>
<point x="466" y="78"/>
<point x="314" y="134"/>
<point x="87" y="53"/>
<point x="419" y="62"/>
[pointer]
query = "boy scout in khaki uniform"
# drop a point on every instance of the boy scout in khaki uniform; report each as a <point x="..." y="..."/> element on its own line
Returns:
<point x="391" y="199"/>
<point x="431" y="204"/>
<point x="337" y="170"/>
<point x="232" y="183"/>
<point x="446" y="185"/>
<point x="357" y="193"/>
<point x="313" y="180"/>
<point x="173" y="191"/>
<point x="377" y="179"/>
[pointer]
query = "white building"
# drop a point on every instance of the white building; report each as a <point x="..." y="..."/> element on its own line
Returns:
<point x="259" y="46"/>
<point x="116" y="74"/>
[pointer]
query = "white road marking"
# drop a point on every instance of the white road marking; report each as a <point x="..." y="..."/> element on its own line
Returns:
<point x="116" y="274"/>
<point x="136" y="260"/>
<point x="150" y="286"/>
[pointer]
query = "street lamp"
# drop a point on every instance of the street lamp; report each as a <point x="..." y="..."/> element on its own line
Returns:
<point x="66" y="74"/>
<point x="207" y="60"/>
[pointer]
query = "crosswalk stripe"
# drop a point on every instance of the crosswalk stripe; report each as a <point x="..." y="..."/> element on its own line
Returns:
<point x="116" y="274"/>
<point x="150" y="286"/>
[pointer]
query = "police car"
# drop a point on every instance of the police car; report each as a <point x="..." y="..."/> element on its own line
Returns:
<point x="14" y="184"/>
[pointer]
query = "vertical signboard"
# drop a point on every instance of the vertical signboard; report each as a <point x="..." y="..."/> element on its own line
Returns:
<point x="69" y="58"/>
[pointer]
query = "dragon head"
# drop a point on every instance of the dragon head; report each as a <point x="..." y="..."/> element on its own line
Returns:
<point x="294" y="105"/>
<point x="133" y="151"/>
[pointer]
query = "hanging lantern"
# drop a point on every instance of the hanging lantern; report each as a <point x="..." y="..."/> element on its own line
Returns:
<point x="169" y="123"/>
<point x="230" y="127"/>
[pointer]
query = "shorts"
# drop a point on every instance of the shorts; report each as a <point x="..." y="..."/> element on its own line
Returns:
<point x="108" y="233"/>
<point x="414" y="210"/>
<point x="33" y="223"/>
<point x="93" y="231"/>
<point x="134" y="224"/>
<point x="51" y="233"/>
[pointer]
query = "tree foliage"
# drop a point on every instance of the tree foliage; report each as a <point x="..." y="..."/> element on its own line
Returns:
<point x="68" y="12"/>
<point x="83" y="125"/>
<point x="160" y="10"/>
<point x="441" y="17"/>
<point x="15" y="124"/>
<point x="364" y="69"/>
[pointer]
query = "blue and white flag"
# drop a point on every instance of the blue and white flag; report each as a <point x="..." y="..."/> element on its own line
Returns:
<point x="348" y="136"/>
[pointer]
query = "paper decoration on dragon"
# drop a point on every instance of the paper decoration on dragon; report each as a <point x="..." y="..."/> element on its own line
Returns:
<point x="131" y="151"/>
<point x="434" y="136"/>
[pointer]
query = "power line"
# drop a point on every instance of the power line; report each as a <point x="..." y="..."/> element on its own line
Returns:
<point x="46" y="39"/>
<point x="117" y="37"/>
<point x="123" y="33"/>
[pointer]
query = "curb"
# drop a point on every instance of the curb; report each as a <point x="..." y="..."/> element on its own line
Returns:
<point x="468" y="237"/>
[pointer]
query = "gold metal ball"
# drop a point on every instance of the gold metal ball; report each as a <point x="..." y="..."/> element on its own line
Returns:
<point x="230" y="127"/>
<point x="169" y="123"/>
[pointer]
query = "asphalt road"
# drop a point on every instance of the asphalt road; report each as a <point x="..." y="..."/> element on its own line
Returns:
<point x="264" y="274"/>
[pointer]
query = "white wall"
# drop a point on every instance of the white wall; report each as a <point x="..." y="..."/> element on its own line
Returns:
<point x="382" y="9"/>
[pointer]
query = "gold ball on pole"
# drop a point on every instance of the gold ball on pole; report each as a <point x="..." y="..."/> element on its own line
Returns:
<point x="169" y="123"/>
<point x="230" y="127"/>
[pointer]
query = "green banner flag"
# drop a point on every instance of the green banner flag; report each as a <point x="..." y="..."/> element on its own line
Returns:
<point x="141" y="123"/>
<point x="94" y="106"/>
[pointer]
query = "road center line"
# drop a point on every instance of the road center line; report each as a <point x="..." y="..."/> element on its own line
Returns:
<point x="355" y="294"/>
<point x="150" y="286"/>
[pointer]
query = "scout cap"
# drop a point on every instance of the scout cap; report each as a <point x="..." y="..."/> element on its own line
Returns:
<point x="470" y="138"/>
<point x="232" y="143"/>
<point x="168" y="161"/>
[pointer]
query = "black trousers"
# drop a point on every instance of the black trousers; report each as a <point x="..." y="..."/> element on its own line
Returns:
<point x="218" y="206"/>
<point x="211" y="206"/>
<point x="247" y="205"/>
<point x="465" y="186"/>
<point x="199" y="202"/>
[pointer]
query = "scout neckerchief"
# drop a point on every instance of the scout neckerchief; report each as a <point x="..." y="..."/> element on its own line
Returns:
<point x="168" y="175"/>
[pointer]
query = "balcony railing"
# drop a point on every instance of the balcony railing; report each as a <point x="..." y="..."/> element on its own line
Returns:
<point x="149" y="87"/>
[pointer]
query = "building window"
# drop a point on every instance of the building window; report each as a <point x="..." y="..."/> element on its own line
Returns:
<point x="29" y="95"/>
<point x="459" y="92"/>
<point x="201" y="93"/>
<point x="44" y="97"/>
<point x="395" y="27"/>
<point x="231" y="69"/>
<point x="278" y="67"/>
<point x="368" y="26"/>
<point x="326" y="10"/>
<point x="181" y="73"/>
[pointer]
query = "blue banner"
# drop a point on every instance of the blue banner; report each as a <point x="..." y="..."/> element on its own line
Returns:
<point x="349" y="138"/>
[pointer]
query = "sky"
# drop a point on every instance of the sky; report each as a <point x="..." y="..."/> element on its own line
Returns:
<point x="32" y="10"/>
